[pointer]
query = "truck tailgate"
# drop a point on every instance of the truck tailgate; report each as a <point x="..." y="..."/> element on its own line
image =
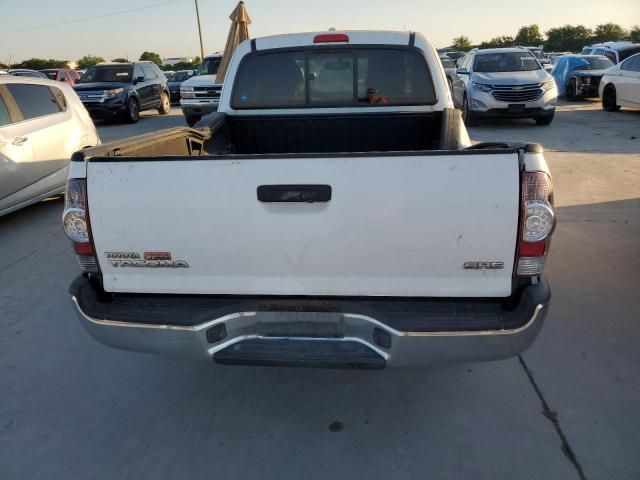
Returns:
<point x="396" y="225"/>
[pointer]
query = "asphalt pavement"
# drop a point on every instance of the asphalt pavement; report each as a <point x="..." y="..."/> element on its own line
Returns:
<point x="569" y="408"/>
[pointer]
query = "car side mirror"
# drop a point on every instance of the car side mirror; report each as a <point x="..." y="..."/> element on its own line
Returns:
<point x="139" y="79"/>
<point x="462" y="71"/>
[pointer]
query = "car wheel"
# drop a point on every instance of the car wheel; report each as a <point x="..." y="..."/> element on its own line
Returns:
<point x="467" y="114"/>
<point x="191" y="121"/>
<point x="572" y="90"/>
<point x="165" y="104"/>
<point x="133" y="111"/>
<point x="609" y="99"/>
<point x="544" y="120"/>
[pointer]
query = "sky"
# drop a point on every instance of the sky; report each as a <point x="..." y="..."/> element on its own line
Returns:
<point x="169" y="26"/>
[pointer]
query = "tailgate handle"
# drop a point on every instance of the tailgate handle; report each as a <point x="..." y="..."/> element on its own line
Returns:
<point x="294" y="193"/>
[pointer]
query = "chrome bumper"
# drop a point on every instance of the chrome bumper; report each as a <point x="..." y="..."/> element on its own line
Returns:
<point x="407" y="349"/>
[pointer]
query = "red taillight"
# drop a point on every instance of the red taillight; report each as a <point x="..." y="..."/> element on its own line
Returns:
<point x="537" y="222"/>
<point x="83" y="248"/>
<point x="75" y="219"/>
<point x="331" y="38"/>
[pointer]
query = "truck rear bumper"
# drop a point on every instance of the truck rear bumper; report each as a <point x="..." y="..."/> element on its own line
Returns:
<point x="339" y="333"/>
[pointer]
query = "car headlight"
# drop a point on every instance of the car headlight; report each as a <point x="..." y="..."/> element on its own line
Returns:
<point x="114" y="92"/>
<point x="482" y="87"/>
<point x="186" y="92"/>
<point x="548" y="85"/>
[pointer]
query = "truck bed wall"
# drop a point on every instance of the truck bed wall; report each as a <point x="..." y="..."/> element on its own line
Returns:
<point x="334" y="133"/>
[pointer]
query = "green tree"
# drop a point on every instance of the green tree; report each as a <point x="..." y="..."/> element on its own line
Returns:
<point x="498" y="42"/>
<point x="3" y="65"/>
<point x="462" y="43"/>
<point x="41" y="63"/>
<point x="609" y="32"/>
<point x="152" y="57"/>
<point x="529" y="36"/>
<point x="120" y="60"/>
<point x="89" y="61"/>
<point x="568" y="38"/>
<point x="634" y="34"/>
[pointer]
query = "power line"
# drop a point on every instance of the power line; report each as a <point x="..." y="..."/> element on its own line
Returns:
<point x="67" y="22"/>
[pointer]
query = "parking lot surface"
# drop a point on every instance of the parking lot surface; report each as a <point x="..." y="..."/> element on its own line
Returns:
<point x="568" y="409"/>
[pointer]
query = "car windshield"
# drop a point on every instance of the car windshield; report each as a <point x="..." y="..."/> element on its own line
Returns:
<point x="116" y="73"/>
<point x="446" y="63"/>
<point x="180" y="77"/>
<point x="209" y="66"/>
<point x="505" y="62"/>
<point x="596" y="64"/>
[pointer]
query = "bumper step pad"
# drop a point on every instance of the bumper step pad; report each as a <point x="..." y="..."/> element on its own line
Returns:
<point x="301" y="353"/>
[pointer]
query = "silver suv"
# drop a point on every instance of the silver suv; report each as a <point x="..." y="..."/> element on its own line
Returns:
<point x="501" y="83"/>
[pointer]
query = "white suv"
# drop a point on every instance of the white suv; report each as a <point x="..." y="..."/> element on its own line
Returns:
<point x="504" y="83"/>
<point x="42" y="122"/>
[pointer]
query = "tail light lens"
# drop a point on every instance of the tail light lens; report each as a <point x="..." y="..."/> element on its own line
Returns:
<point x="537" y="223"/>
<point x="75" y="220"/>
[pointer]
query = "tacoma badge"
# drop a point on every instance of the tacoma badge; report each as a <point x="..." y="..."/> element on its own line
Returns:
<point x="147" y="260"/>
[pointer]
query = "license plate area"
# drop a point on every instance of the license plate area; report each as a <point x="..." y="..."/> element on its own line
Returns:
<point x="307" y="325"/>
<point x="516" y="107"/>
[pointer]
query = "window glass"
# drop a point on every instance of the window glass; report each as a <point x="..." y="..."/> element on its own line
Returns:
<point x="149" y="72"/>
<point x="331" y="78"/>
<point x="137" y="72"/>
<point x="394" y="77"/>
<point x="611" y="56"/>
<point x="635" y="64"/>
<point x="210" y="66"/>
<point x="596" y="63"/>
<point x="270" y="80"/>
<point x="34" y="100"/>
<point x="382" y="77"/>
<point x="506" y="62"/>
<point x="107" y="73"/>
<point x="50" y="73"/>
<point x="63" y="76"/>
<point x="5" y="118"/>
<point x="446" y="62"/>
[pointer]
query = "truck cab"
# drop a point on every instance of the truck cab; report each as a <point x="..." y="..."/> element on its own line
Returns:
<point x="200" y="95"/>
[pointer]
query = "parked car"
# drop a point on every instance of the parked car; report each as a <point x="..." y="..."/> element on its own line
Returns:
<point x="200" y="95"/>
<point x="542" y="58"/>
<point x="169" y="74"/>
<point x="455" y="56"/>
<point x="176" y="81"/>
<point x="4" y="72"/>
<point x="449" y="68"/>
<point x="331" y="214"/>
<point x="62" y="75"/>
<point x="614" y="51"/>
<point x="504" y="83"/>
<point x="620" y="85"/>
<point x="578" y="76"/>
<point x="42" y="123"/>
<point x="123" y="90"/>
<point x="25" y="72"/>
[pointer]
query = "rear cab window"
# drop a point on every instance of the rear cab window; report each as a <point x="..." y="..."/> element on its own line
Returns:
<point x="333" y="77"/>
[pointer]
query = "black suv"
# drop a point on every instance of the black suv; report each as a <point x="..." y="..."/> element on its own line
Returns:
<point x="123" y="90"/>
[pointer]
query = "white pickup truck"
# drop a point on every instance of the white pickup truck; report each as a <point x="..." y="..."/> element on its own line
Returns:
<point x="332" y="213"/>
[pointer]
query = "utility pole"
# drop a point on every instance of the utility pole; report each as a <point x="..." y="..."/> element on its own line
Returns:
<point x="199" y="32"/>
